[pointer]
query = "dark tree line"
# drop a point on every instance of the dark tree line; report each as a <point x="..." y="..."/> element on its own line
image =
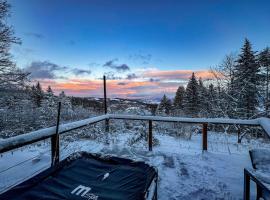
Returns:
<point x="87" y="103"/>
<point x="239" y="89"/>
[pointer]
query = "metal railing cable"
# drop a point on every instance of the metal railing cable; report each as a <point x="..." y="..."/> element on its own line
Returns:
<point x="24" y="161"/>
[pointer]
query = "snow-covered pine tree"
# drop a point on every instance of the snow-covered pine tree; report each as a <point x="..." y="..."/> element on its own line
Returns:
<point x="164" y="106"/>
<point x="178" y="99"/>
<point x="246" y="80"/>
<point x="37" y="94"/>
<point x="168" y="108"/>
<point x="191" y="98"/>
<point x="211" y="104"/>
<point x="67" y="111"/>
<point x="161" y="105"/>
<point x="49" y="90"/>
<point x="49" y="105"/>
<point x="51" y="99"/>
<point x="62" y="95"/>
<point x="264" y="61"/>
<point x="202" y="99"/>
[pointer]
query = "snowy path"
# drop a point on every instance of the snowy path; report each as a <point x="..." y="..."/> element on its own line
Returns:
<point x="184" y="171"/>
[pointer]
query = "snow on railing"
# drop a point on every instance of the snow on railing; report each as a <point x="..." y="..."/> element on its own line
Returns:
<point x="265" y="124"/>
<point x="263" y="121"/>
<point x="251" y="122"/>
<point x="28" y="138"/>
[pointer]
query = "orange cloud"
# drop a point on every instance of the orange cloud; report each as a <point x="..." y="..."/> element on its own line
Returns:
<point x="165" y="82"/>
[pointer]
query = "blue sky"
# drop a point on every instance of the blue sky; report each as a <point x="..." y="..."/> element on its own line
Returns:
<point x="142" y="34"/>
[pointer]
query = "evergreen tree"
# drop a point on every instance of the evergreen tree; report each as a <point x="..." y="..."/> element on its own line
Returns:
<point x="165" y="105"/>
<point x="37" y="94"/>
<point x="49" y="90"/>
<point x="191" y="99"/>
<point x="211" y="104"/>
<point x="178" y="99"/>
<point x="168" y="109"/>
<point x="264" y="61"/>
<point x="39" y="88"/>
<point x="62" y="94"/>
<point x="49" y="104"/>
<point x="66" y="104"/>
<point x="246" y="80"/>
<point x="202" y="98"/>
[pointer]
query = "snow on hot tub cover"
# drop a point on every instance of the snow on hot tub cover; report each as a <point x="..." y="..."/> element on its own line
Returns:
<point x="84" y="176"/>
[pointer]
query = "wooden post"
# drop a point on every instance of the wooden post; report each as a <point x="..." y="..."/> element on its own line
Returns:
<point x="246" y="185"/>
<point x="55" y="140"/>
<point x="204" y="137"/>
<point x="259" y="192"/>
<point x="105" y="94"/>
<point x="267" y="91"/>
<point x="150" y="136"/>
<point x="238" y="135"/>
<point x="105" y="104"/>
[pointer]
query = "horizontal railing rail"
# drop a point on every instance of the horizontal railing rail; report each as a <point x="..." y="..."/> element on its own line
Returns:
<point x="263" y="122"/>
<point x="42" y="134"/>
<point x="251" y="122"/>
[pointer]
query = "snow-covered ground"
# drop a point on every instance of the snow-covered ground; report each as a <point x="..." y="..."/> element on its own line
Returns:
<point x="185" y="172"/>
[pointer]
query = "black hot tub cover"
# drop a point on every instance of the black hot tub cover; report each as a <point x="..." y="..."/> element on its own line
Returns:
<point x="84" y="176"/>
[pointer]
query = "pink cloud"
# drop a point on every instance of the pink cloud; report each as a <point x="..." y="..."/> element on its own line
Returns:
<point x="176" y="74"/>
<point x="167" y="82"/>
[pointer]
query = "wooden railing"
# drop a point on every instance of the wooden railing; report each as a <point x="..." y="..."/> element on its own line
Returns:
<point x="263" y="122"/>
<point x="54" y="132"/>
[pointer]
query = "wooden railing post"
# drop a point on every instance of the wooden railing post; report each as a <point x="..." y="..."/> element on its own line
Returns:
<point x="55" y="140"/>
<point x="246" y="185"/>
<point x="204" y="137"/>
<point x="105" y="104"/>
<point x="150" y="135"/>
<point x="238" y="135"/>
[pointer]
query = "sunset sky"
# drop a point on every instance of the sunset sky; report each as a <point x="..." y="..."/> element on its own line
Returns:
<point x="145" y="47"/>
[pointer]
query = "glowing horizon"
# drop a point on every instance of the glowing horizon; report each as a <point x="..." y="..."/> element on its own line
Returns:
<point x="148" y="84"/>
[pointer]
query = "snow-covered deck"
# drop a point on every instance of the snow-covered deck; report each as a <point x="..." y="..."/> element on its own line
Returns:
<point x="185" y="172"/>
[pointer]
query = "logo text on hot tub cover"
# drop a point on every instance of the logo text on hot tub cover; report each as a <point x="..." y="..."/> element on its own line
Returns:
<point x="84" y="192"/>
